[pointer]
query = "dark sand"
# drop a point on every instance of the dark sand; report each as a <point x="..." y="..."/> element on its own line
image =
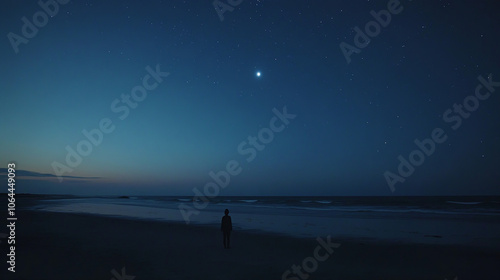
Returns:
<point x="73" y="246"/>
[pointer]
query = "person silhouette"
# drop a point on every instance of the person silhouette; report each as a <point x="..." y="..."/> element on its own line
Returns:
<point x="226" y="226"/>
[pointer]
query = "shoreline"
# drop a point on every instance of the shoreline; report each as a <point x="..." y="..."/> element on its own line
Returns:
<point x="344" y="237"/>
<point x="475" y="231"/>
<point x="82" y="246"/>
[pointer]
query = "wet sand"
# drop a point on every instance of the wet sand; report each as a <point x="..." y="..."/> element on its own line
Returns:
<point x="78" y="246"/>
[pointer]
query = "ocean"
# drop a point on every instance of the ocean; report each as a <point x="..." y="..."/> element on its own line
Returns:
<point x="473" y="220"/>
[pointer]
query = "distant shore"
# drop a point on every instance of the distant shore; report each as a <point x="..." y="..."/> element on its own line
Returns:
<point x="79" y="246"/>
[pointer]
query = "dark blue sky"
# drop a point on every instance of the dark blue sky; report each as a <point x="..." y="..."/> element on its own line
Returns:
<point x="352" y="120"/>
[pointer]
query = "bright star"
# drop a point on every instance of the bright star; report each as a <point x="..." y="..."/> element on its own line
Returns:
<point x="258" y="74"/>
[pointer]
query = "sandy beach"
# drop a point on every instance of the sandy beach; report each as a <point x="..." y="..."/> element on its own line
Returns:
<point x="80" y="246"/>
<point x="349" y="140"/>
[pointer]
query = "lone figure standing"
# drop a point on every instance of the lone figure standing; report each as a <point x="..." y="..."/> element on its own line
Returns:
<point x="226" y="226"/>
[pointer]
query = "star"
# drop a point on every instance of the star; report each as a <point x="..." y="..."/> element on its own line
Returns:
<point x="258" y="74"/>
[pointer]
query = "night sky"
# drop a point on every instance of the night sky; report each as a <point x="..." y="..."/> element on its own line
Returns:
<point x="229" y="72"/>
